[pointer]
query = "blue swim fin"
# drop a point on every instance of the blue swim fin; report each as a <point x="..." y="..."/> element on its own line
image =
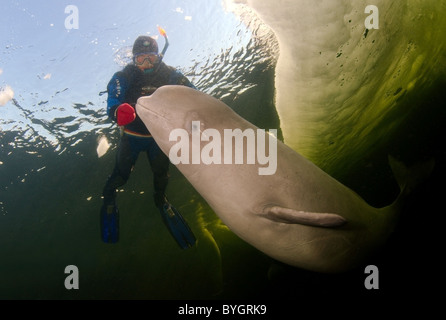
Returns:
<point x="110" y="223"/>
<point x="178" y="227"/>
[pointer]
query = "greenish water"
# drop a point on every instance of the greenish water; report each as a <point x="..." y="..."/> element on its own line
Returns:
<point x="51" y="177"/>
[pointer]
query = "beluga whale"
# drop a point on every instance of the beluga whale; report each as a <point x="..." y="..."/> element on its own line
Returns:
<point x="292" y="211"/>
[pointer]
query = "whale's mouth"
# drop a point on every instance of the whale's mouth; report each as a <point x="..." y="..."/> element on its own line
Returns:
<point x="151" y="111"/>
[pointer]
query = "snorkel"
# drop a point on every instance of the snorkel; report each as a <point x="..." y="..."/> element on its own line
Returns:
<point x="160" y="55"/>
<point x="166" y="44"/>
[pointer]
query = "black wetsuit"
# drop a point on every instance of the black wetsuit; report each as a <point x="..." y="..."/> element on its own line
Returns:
<point x="127" y="86"/>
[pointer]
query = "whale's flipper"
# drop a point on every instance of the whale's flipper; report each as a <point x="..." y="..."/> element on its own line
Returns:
<point x="408" y="178"/>
<point x="314" y="219"/>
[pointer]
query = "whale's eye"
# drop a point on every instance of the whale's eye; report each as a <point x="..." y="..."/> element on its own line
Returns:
<point x="192" y="122"/>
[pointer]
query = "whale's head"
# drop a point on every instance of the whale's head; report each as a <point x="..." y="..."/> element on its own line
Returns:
<point x="175" y="107"/>
<point x="164" y="109"/>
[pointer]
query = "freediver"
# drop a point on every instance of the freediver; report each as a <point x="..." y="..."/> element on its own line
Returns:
<point x="141" y="77"/>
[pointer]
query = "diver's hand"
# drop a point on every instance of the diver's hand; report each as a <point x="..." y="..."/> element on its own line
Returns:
<point x="125" y="114"/>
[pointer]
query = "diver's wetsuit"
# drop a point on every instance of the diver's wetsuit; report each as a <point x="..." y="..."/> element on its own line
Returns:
<point x="127" y="86"/>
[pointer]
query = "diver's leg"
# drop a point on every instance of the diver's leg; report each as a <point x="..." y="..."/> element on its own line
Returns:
<point x="159" y="163"/>
<point x="174" y="221"/>
<point x="125" y="160"/>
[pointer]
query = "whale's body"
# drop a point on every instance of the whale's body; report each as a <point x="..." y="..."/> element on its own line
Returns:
<point x="268" y="211"/>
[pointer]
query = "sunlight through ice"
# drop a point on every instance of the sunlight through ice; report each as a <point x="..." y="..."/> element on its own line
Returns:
<point x="6" y="94"/>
